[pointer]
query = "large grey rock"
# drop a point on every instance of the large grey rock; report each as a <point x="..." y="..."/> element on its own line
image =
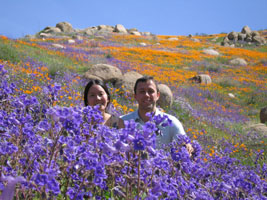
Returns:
<point x="92" y="77"/>
<point x="51" y="30"/>
<point x="128" y="80"/>
<point x="255" y="33"/>
<point x="238" y="61"/>
<point x="233" y="36"/>
<point x="119" y="28"/>
<point x="65" y="27"/>
<point x="146" y="33"/>
<point x="77" y="37"/>
<point x="241" y="36"/>
<point x="45" y="35"/>
<point x="259" y="40"/>
<point x="135" y="33"/>
<point x="106" y="28"/>
<point x="107" y="73"/>
<point x="263" y="115"/>
<point x="90" y="31"/>
<point x="246" y="30"/>
<point x="166" y="96"/>
<point x="248" y="38"/>
<point x="259" y="128"/>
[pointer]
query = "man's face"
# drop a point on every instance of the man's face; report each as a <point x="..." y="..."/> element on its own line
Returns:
<point x="147" y="95"/>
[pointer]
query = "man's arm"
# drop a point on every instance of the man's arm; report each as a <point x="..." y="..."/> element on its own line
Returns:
<point x="178" y="129"/>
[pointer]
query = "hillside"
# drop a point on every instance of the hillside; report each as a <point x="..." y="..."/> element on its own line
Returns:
<point x="223" y="114"/>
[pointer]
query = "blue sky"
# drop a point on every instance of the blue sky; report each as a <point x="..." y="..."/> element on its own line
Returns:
<point x="165" y="17"/>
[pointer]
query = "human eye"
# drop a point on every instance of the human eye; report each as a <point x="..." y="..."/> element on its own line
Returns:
<point x="101" y="94"/>
<point x="151" y="91"/>
<point x="142" y="91"/>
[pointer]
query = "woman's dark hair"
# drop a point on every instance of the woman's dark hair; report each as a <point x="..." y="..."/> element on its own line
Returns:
<point x="89" y="85"/>
<point x="145" y="79"/>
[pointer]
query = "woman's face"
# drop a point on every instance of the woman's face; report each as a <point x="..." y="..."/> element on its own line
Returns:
<point x="97" y="96"/>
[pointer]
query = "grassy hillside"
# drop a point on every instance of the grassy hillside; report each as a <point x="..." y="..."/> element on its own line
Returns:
<point x="219" y="122"/>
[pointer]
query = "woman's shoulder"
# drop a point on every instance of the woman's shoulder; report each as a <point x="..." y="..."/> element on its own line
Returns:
<point x="116" y="122"/>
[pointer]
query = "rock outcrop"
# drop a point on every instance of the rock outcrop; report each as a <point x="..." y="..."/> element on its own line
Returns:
<point x="104" y="30"/>
<point x="246" y="36"/>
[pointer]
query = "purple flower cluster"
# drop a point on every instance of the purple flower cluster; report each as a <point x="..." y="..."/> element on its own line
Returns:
<point x="65" y="152"/>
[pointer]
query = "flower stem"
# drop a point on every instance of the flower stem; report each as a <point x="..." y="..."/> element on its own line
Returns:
<point x="138" y="183"/>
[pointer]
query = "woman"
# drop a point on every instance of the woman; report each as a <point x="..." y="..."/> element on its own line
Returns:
<point x="96" y="93"/>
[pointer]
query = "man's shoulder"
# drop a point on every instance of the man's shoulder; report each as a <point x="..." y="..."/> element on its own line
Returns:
<point x="171" y="117"/>
<point x="129" y="116"/>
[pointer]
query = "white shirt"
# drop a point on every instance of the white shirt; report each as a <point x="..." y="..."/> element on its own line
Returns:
<point x="168" y="133"/>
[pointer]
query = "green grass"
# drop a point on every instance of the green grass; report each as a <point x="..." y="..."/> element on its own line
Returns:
<point x="8" y="52"/>
<point x="56" y="64"/>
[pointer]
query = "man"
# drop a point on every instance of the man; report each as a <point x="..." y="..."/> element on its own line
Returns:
<point x="146" y="93"/>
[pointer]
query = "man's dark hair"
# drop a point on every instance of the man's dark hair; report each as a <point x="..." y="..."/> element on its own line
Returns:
<point x="145" y="79"/>
<point x="89" y="85"/>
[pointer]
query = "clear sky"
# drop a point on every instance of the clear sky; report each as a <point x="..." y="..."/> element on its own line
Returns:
<point x="165" y="17"/>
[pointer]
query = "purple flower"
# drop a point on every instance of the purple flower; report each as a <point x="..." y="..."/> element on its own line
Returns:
<point x="41" y="179"/>
<point x="175" y="154"/>
<point x="44" y="125"/>
<point x="139" y="144"/>
<point x="7" y="148"/>
<point x="53" y="186"/>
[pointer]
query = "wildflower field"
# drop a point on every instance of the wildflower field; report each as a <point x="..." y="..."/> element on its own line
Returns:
<point x="50" y="150"/>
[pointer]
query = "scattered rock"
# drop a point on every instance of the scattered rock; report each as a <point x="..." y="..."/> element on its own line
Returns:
<point x="263" y="115"/>
<point x="58" y="46"/>
<point x="238" y="61"/>
<point x="211" y="52"/>
<point x="231" y="95"/>
<point x="166" y="96"/>
<point x="71" y="41"/>
<point x="259" y="128"/>
<point x="142" y="44"/>
<point x="173" y="39"/>
<point x="201" y="78"/>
